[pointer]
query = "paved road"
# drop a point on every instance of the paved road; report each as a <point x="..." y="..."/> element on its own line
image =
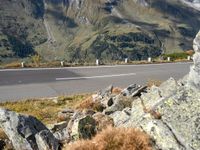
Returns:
<point x="46" y="82"/>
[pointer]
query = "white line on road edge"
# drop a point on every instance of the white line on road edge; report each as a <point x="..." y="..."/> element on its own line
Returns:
<point x="94" y="77"/>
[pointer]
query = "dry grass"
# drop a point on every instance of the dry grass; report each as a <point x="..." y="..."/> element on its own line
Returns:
<point x="45" y="110"/>
<point x="13" y="65"/>
<point x="114" y="139"/>
<point x="116" y="90"/>
<point x="3" y="136"/>
<point x="88" y="103"/>
<point x="152" y="82"/>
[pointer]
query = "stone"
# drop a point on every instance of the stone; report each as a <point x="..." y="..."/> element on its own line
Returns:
<point x="130" y="90"/>
<point x="58" y="126"/>
<point x="102" y="121"/>
<point x="103" y="93"/>
<point x="107" y="101"/>
<point x="168" y="87"/>
<point x="194" y="74"/>
<point x="63" y="136"/>
<point x="160" y="134"/>
<point x="46" y="141"/>
<point x="139" y="91"/>
<point x="120" y="117"/>
<point x="75" y="116"/>
<point x="179" y="126"/>
<point x="120" y="102"/>
<point x="83" y="128"/>
<point x="22" y="130"/>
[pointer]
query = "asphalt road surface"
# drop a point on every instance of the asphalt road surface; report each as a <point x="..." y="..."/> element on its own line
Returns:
<point x="16" y="84"/>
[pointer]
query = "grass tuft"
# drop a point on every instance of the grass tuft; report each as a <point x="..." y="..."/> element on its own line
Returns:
<point x="114" y="139"/>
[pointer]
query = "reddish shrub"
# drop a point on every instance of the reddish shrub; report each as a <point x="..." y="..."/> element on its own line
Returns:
<point x="90" y="104"/>
<point x="116" y="90"/>
<point x="114" y="139"/>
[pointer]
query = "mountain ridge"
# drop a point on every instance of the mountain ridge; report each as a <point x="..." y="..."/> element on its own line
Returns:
<point x="82" y="30"/>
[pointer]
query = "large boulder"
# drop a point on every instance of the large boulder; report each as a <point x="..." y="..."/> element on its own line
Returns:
<point x="178" y="124"/>
<point x="194" y="75"/>
<point x="26" y="132"/>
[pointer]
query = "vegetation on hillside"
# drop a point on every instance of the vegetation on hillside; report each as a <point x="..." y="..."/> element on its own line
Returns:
<point x="95" y="29"/>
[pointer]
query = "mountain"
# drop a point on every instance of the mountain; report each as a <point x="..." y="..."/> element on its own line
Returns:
<point x="83" y="30"/>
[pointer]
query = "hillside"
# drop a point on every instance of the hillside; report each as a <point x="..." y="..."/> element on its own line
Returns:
<point x="83" y="30"/>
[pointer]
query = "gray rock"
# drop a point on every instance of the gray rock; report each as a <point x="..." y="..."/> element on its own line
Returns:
<point x="120" y="102"/>
<point x="46" y="141"/>
<point x="107" y="101"/>
<point x="22" y="130"/>
<point x="179" y="126"/>
<point x="58" y="126"/>
<point x="103" y="93"/>
<point x="194" y="74"/>
<point x="84" y="128"/>
<point x="161" y="135"/>
<point x="130" y="90"/>
<point x="60" y="131"/>
<point x="75" y="116"/>
<point x="168" y="87"/>
<point x="121" y="117"/>
<point x="63" y="136"/>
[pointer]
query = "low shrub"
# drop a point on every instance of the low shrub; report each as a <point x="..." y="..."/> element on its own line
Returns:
<point x="114" y="139"/>
<point x="176" y="56"/>
<point x="88" y="103"/>
<point x="116" y="90"/>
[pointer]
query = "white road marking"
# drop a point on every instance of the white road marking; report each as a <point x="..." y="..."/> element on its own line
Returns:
<point x="92" y="67"/>
<point x="94" y="77"/>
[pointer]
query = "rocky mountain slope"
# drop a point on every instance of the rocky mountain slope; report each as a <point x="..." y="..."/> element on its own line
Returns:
<point x="169" y="114"/>
<point x="82" y="30"/>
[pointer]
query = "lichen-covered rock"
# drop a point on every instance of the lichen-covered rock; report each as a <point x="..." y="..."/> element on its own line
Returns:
<point x="22" y="131"/>
<point x="168" y="87"/>
<point x="119" y="103"/>
<point x="178" y="127"/>
<point x="181" y="112"/>
<point x="103" y="93"/>
<point x="160" y="134"/>
<point x="121" y="117"/>
<point x="57" y="126"/>
<point x="46" y="141"/>
<point x="194" y="75"/>
<point x="63" y="136"/>
<point x="84" y="128"/>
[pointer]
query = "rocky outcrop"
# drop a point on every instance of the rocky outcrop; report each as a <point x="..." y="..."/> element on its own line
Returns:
<point x="165" y="114"/>
<point x="169" y="114"/>
<point x="26" y="132"/>
<point x="194" y="75"/>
